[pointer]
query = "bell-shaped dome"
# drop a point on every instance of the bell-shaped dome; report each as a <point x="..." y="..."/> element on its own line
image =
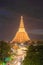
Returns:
<point x="21" y="35"/>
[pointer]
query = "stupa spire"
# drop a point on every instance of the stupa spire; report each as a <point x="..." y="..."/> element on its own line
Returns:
<point x="21" y="35"/>
<point x="21" y="22"/>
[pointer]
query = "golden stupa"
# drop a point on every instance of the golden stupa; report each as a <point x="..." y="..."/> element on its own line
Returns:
<point x="21" y="35"/>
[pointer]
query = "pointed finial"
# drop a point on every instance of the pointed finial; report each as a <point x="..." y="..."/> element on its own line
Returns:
<point x="21" y="17"/>
<point x="21" y="22"/>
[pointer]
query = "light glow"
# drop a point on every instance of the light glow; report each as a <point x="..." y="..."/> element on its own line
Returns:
<point x="21" y="35"/>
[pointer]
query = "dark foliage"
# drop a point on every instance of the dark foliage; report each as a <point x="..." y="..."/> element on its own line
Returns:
<point x="4" y="50"/>
<point x="34" y="55"/>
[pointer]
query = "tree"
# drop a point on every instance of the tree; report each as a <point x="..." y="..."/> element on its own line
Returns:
<point x="4" y="50"/>
<point x="34" y="55"/>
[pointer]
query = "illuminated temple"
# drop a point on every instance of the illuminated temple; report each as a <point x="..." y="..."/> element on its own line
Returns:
<point x="21" y="35"/>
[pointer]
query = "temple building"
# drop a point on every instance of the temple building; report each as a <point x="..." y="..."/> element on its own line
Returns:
<point x="21" y="35"/>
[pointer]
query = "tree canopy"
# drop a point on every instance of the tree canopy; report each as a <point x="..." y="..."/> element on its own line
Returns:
<point x="34" y="55"/>
<point x="4" y="50"/>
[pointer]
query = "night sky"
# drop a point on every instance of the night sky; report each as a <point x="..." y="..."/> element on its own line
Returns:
<point x="10" y="12"/>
